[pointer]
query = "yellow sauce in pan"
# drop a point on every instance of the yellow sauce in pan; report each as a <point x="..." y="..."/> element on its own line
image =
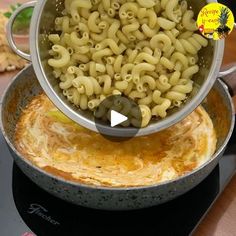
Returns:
<point x="64" y="148"/>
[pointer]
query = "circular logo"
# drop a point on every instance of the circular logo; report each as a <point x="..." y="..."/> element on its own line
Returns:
<point x="215" y="21"/>
<point x="118" y="118"/>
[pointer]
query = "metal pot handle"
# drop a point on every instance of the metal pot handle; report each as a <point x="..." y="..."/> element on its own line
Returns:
<point x="9" y="30"/>
<point x="229" y="78"/>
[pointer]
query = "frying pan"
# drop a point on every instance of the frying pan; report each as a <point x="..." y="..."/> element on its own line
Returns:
<point x="25" y="86"/>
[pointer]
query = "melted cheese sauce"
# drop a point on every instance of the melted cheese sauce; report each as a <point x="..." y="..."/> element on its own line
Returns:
<point x="75" y="153"/>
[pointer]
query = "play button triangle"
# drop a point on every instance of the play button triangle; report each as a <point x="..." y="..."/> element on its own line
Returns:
<point x="117" y="118"/>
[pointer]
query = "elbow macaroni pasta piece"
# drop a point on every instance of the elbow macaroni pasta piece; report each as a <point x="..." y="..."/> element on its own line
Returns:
<point x="139" y="35"/>
<point x="129" y="88"/>
<point x="127" y="29"/>
<point x="148" y="50"/>
<point x="189" y="72"/>
<point x="66" y="24"/>
<point x="174" y="78"/>
<point x="136" y="71"/>
<point x="160" y="110"/>
<point x="142" y="44"/>
<point x="171" y="36"/>
<point x="124" y="71"/>
<point x="78" y="4"/>
<point x="86" y="82"/>
<point x="80" y="58"/>
<point x="64" y="57"/>
<point x="99" y="37"/>
<point x="81" y="49"/>
<point x="184" y="46"/>
<point x="160" y="41"/>
<point x="145" y="101"/>
<point x="117" y="76"/>
<point x="112" y="45"/>
<point x="83" y="104"/>
<point x="110" y="70"/>
<point x="111" y="33"/>
<point x="146" y="115"/>
<point x="185" y="35"/>
<point x="84" y="13"/>
<point x="177" y="56"/>
<point x="188" y="22"/>
<point x="118" y="63"/>
<point x="97" y="56"/>
<point x="92" y="104"/>
<point x="54" y="38"/>
<point x="129" y="6"/>
<point x="146" y="57"/>
<point x="93" y="27"/>
<point x="165" y="23"/>
<point x="195" y="43"/>
<point x="170" y="13"/>
<point x="79" y="41"/>
<point x="75" y="70"/>
<point x="92" y="69"/>
<point x="121" y="85"/>
<point x="168" y="53"/>
<point x="96" y="87"/>
<point x="146" y="3"/>
<point x="162" y="83"/>
<point x="115" y="5"/>
<point x="187" y="88"/>
<point x="106" y="81"/>
<point x="122" y="37"/>
<point x="106" y="4"/>
<point x="167" y="63"/>
<point x="200" y="39"/>
<point x="111" y="12"/>
<point x="177" y="96"/>
<point x="152" y="18"/>
<point x="149" y="80"/>
<point x="132" y="56"/>
<point x="67" y="83"/>
<point x="149" y="32"/>
<point x="135" y="94"/>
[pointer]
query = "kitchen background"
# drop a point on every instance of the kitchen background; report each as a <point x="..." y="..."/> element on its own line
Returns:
<point x="220" y="221"/>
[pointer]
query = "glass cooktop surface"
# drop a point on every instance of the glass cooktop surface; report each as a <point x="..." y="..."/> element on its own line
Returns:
<point x="27" y="210"/>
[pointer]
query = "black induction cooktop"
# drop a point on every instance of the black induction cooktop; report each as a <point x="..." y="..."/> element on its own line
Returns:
<point x="27" y="210"/>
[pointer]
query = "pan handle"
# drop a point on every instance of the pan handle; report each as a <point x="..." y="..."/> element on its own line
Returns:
<point x="10" y="33"/>
<point x="229" y="78"/>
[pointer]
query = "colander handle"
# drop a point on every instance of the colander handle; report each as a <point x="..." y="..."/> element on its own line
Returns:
<point x="231" y="69"/>
<point x="229" y="76"/>
<point x="10" y="33"/>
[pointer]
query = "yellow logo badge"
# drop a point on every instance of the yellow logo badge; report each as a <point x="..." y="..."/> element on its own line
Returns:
<point x="215" y="21"/>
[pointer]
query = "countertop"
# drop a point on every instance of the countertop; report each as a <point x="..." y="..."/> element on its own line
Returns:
<point x="221" y="219"/>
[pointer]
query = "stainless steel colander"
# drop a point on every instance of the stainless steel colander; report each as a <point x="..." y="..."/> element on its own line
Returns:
<point x="42" y="24"/>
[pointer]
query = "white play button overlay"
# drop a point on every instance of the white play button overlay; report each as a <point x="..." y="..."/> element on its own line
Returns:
<point x="114" y="116"/>
<point x="117" y="118"/>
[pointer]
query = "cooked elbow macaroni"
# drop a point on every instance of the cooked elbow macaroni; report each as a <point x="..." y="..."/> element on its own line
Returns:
<point x="146" y="50"/>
